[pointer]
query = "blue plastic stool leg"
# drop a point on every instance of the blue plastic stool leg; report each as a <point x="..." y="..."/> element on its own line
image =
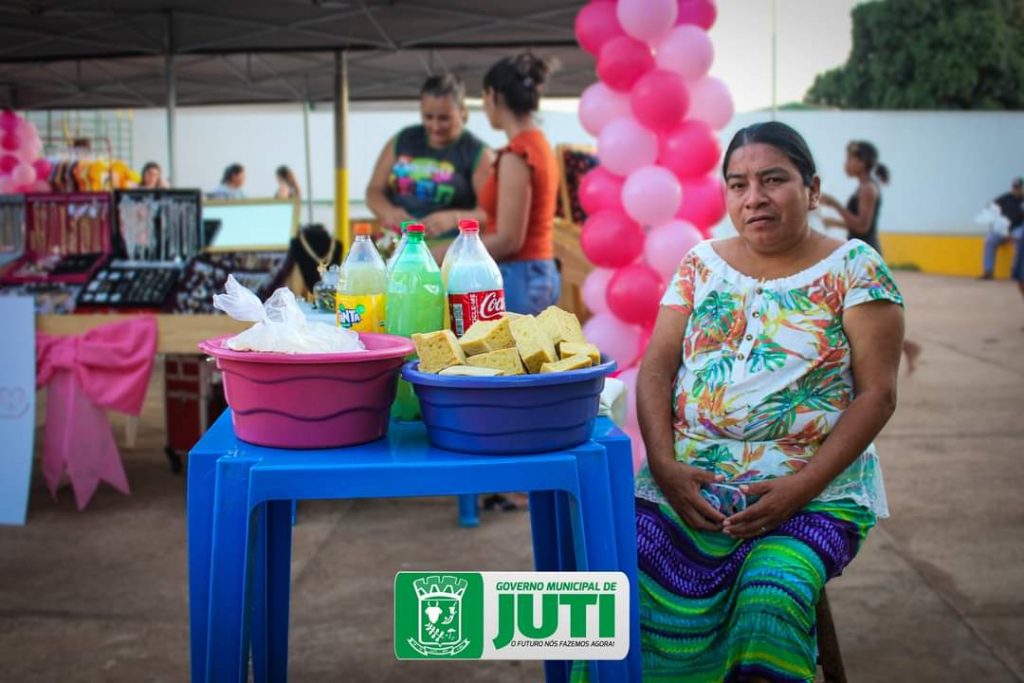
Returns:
<point x="468" y="516"/>
<point x="601" y="551"/>
<point x="201" y="478"/>
<point x="620" y="467"/>
<point x="227" y="637"/>
<point x="271" y="591"/>
<point x="546" y="558"/>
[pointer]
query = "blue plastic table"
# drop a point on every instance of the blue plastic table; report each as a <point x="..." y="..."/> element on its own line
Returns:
<point x="239" y="527"/>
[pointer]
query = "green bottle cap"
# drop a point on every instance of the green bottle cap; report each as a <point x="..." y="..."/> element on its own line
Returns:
<point x="406" y="224"/>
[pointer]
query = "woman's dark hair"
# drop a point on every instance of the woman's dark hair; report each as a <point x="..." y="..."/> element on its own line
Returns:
<point x="445" y="84"/>
<point x="231" y="171"/>
<point x="287" y="177"/>
<point x="149" y="165"/>
<point x="781" y="137"/>
<point x="519" y="80"/>
<point x="868" y="154"/>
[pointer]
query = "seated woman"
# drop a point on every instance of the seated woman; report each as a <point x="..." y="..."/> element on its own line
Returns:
<point x="771" y="370"/>
<point x="519" y="197"/>
<point x="431" y="172"/>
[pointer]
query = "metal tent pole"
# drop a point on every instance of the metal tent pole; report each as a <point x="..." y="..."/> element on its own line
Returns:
<point x="309" y="166"/>
<point x="341" y="225"/>
<point x="172" y="98"/>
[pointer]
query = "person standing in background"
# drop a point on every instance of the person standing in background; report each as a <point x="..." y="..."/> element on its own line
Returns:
<point x="153" y="177"/>
<point x="431" y="172"/>
<point x="230" y="184"/>
<point x="520" y="195"/>
<point x="1011" y="205"/>
<point x="860" y="215"/>
<point x="287" y="185"/>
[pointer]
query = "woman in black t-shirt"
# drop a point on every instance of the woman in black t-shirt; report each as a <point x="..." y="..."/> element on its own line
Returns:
<point x="860" y="215"/>
<point x="431" y="172"/>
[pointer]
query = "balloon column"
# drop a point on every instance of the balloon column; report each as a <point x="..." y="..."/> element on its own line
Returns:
<point x="655" y="112"/>
<point x="22" y="168"/>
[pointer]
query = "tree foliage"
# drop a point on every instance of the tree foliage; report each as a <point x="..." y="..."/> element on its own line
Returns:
<point x="930" y="54"/>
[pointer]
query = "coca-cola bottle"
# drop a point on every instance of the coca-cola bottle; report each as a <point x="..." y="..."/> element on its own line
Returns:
<point x="475" y="288"/>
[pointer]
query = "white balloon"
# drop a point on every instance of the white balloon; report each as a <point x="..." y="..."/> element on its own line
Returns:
<point x="687" y="50"/>
<point x="600" y="105"/>
<point x="711" y="102"/>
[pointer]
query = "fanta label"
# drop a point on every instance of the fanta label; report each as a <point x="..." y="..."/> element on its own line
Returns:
<point x="467" y="308"/>
<point x="361" y="312"/>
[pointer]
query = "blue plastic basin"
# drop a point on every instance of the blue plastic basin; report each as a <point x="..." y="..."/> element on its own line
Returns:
<point x="520" y="414"/>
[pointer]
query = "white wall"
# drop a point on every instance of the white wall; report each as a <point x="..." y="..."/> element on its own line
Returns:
<point x="945" y="165"/>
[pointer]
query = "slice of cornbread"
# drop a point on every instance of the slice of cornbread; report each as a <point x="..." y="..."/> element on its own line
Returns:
<point x="506" y="360"/>
<point x="485" y="336"/>
<point x="566" y="349"/>
<point x="561" y="326"/>
<point x="438" y="350"/>
<point x="467" y="371"/>
<point x="534" y="344"/>
<point x="512" y="316"/>
<point x="571" y="363"/>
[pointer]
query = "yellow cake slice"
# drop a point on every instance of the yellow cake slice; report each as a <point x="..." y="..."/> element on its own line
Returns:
<point x="438" y="350"/>
<point x="485" y="336"/>
<point x="571" y="363"/>
<point x="468" y="371"/>
<point x="561" y="326"/>
<point x="566" y="349"/>
<point x="506" y="360"/>
<point x="534" y="344"/>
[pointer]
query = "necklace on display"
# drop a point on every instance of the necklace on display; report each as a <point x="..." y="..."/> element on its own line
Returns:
<point x="321" y="261"/>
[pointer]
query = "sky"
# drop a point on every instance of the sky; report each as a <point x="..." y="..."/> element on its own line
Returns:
<point x="812" y="36"/>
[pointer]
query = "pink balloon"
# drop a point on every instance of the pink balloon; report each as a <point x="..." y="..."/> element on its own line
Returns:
<point x="7" y="163"/>
<point x="42" y="167"/>
<point x="23" y="174"/>
<point x="707" y="232"/>
<point x="704" y="203"/>
<point x="6" y="185"/>
<point x="624" y="146"/>
<point x="594" y="287"/>
<point x="600" y="190"/>
<point x="659" y="100"/>
<point x="690" y="150"/>
<point x="623" y="61"/>
<point x="10" y="141"/>
<point x="666" y="245"/>
<point x="646" y="20"/>
<point x="651" y="195"/>
<point x="599" y="105"/>
<point x="700" y="12"/>
<point x="40" y="186"/>
<point x="596" y="24"/>
<point x="634" y="294"/>
<point x="610" y="239"/>
<point x="686" y="50"/>
<point x="636" y="440"/>
<point x="8" y="120"/>
<point x="616" y="339"/>
<point x="711" y="101"/>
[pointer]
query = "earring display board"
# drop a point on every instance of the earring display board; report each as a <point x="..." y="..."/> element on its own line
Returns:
<point x="12" y="227"/>
<point x="158" y="225"/>
<point x="67" y="238"/>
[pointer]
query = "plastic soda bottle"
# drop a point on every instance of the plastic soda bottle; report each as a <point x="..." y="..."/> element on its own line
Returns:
<point x="400" y="246"/>
<point x="415" y="303"/>
<point x="449" y="258"/>
<point x="475" y="288"/>
<point x="362" y="285"/>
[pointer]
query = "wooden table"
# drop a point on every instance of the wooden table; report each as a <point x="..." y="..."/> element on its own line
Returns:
<point x="176" y="333"/>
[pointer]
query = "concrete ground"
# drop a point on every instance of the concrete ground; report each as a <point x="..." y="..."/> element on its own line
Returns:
<point x="937" y="593"/>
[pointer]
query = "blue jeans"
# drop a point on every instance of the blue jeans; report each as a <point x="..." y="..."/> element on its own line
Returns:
<point x="992" y="243"/>
<point x="530" y="286"/>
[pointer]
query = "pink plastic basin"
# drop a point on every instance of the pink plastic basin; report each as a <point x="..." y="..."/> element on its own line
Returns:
<point x="306" y="400"/>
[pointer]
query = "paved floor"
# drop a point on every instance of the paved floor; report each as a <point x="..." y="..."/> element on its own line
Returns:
<point x="937" y="593"/>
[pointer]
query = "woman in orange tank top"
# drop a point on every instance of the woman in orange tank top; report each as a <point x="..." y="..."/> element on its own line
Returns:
<point x="519" y="197"/>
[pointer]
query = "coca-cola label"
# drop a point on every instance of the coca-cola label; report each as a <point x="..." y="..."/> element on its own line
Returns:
<point x="466" y="309"/>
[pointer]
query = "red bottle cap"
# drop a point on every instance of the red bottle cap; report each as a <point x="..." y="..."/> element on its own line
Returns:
<point x="415" y="227"/>
<point x="469" y="225"/>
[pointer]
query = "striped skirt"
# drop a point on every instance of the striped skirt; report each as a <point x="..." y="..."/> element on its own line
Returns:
<point x="713" y="608"/>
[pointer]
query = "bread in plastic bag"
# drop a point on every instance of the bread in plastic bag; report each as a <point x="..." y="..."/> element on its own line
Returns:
<point x="281" y="326"/>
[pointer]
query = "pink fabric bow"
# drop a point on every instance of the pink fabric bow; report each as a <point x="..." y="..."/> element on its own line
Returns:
<point x="107" y="367"/>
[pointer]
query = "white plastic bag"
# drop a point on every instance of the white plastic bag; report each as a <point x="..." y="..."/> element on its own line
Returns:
<point x="992" y="217"/>
<point x="281" y="326"/>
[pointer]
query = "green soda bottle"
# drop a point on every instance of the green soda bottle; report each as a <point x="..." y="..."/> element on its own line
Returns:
<point x="415" y="303"/>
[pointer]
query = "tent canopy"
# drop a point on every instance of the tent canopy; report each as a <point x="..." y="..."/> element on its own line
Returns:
<point x="113" y="53"/>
